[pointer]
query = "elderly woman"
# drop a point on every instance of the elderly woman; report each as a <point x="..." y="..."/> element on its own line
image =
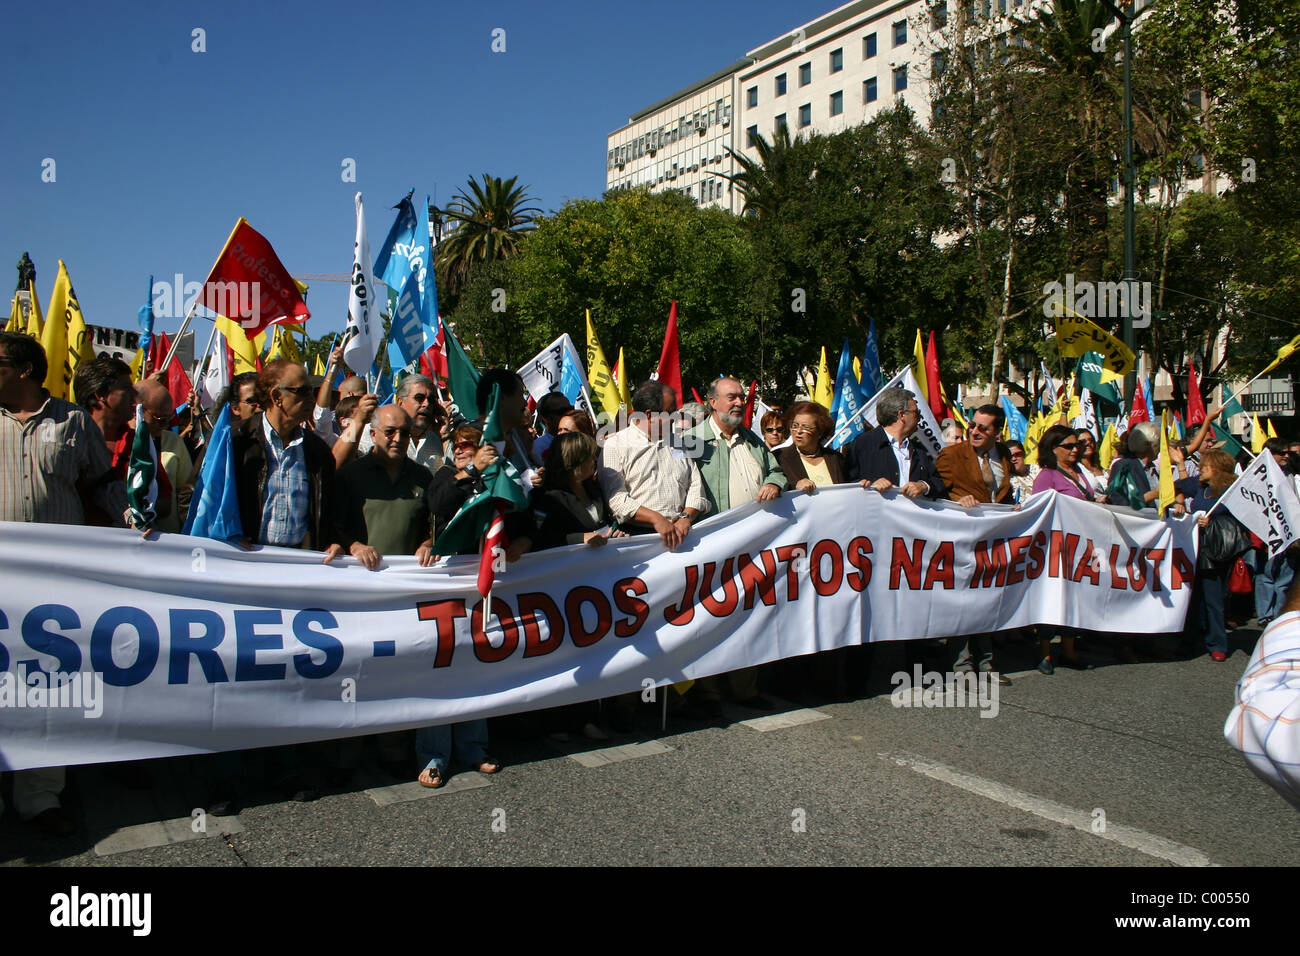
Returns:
<point x="451" y="487"/>
<point x="774" y="429"/>
<point x="807" y="464"/>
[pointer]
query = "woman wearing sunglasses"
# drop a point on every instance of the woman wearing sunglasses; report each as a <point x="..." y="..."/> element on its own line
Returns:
<point x="1088" y="465"/>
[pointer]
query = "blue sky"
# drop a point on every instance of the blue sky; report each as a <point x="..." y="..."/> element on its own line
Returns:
<point x="158" y="149"/>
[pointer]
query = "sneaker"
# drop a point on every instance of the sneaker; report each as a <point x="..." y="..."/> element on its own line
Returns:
<point x="1045" y="666"/>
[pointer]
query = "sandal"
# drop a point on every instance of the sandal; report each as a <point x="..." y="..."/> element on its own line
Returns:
<point x="431" y="778"/>
<point x="489" y="765"/>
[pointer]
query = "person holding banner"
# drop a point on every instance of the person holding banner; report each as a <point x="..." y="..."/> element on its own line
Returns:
<point x="888" y="456"/>
<point x="1274" y="573"/>
<point x="807" y="463"/>
<point x="1058" y="456"/>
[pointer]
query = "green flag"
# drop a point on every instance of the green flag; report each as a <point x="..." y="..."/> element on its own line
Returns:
<point x="142" y="476"/>
<point x="1233" y="407"/>
<point x="500" y="483"/>
<point x="1089" y="368"/>
<point x="462" y="377"/>
<point x="1226" y="441"/>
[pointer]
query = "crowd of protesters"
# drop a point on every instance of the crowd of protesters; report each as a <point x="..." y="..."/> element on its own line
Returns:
<point x="333" y="471"/>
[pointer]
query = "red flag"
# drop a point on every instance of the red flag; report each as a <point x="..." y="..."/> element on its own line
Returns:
<point x="932" y="384"/>
<point x="696" y="395"/>
<point x="1139" y="412"/>
<point x="250" y="285"/>
<point x="433" y="361"/>
<point x="670" y="366"/>
<point x="749" y="404"/>
<point x="1195" y="404"/>
<point x="177" y="382"/>
<point x="494" y="547"/>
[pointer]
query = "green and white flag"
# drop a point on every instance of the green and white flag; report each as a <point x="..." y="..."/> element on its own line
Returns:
<point x="142" y="476"/>
<point x="1090" y="368"/>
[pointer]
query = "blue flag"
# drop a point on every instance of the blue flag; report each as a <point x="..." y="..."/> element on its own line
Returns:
<point x="1017" y="425"/>
<point x="145" y="318"/>
<point x="848" y="402"/>
<point x="393" y="264"/>
<point x="407" y="332"/>
<point x="872" y="379"/>
<point x="570" y="379"/>
<point x="1146" y="393"/>
<point x="214" y="508"/>
<point x="843" y="372"/>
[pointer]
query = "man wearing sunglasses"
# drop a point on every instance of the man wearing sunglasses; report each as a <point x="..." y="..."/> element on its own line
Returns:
<point x="284" y="472"/>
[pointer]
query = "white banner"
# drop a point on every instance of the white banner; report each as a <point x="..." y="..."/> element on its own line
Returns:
<point x="186" y="645"/>
<point x="541" y="373"/>
<point x="365" y="330"/>
<point x="1264" y="500"/>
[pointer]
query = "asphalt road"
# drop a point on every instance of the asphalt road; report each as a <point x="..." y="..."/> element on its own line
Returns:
<point x="1124" y="765"/>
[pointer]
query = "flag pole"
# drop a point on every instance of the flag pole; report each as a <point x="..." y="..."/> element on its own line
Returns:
<point x="189" y="316"/>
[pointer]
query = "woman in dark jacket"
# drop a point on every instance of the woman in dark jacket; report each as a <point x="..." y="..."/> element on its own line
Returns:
<point x="569" y="508"/>
<point x="805" y="462"/>
<point x="1223" y="539"/>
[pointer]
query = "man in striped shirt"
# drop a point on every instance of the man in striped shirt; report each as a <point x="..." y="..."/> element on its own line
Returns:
<point x="53" y="461"/>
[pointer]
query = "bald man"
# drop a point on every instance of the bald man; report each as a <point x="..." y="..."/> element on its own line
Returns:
<point x="380" y="498"/>
<point x="173" y="456"/>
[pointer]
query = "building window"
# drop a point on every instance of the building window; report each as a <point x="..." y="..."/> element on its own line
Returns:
<point x="869" y="91"/>
<point x="837" y="60"/>
<point x="900" y="78"/>
<point x="751" y="136"/>
<point x="780" y="85"/>
<point x="939" y="16"/>
<point x="868" y="47"/>
<point x="938" y="64"/>
<point x="900" y="33"/>
<point x="805" y="74"/>
<point x="837" y="103"/>
<point x="805" y="115"/>
<point x="751" y="97"/>
<point x="780" y="123"/>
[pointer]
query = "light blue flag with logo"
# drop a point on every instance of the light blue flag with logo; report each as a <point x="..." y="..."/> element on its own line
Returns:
<point x="873" y="379"/>
<point x="570" y="379"/>
<point x="1146" y="394"/>
<point x="845" y="368"/>
<point x="214" y="508"/>
<point x="849" y="400"/>
<point x="1017" y="424"/>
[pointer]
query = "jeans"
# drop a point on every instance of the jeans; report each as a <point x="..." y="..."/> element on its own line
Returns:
<point x="434" y="746"/>
<point x="1271" y="583"/>
<point x="1211" y="592"/>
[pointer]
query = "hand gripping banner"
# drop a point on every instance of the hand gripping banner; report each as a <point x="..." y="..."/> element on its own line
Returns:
<point x="116" y="648"/>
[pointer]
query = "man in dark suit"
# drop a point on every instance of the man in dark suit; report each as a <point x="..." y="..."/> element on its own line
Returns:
<point x="888" y="456"/>
<point x="978" y="470"/>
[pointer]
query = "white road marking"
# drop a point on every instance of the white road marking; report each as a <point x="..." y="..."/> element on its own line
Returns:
<point x="406" y="792"/>
<point x="791" y="718"/>
<point x="1131" y="837"/>
<point x="608" y="755"/>
<point x="143" y="836"/>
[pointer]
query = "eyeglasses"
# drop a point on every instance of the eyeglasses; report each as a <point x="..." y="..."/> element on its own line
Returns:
<point x="419" y="398"/>
<point x="464" y="446"/>
<point x="390" y="432"/>
<point x="1017" y="454"/>
<point x="1068" y="444"/>
<point x="797" y="427"/>
<point x="986" y="429"/>
<point x="302" y="391"/>
<point x="774" y="431"/>
<point x="247" y="401"/>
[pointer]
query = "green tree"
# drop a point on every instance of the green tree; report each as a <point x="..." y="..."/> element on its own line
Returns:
<point x="488" y="221"/>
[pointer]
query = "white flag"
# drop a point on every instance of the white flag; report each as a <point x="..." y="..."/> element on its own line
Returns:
<point x="927" y="429"/>
<point x="217" y="377"/>
<point x="545" y="370"/>
<point x="1264" y="500"/>
<point x="364" y="325"/>
<point x="1088" y="413"/>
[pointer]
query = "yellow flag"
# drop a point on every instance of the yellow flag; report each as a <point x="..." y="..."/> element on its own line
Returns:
<point x="602" y="383"/>
<point x="1076" y="335"/>
<point x="137" y="365"/>
<point x="1075" y="410"/>
<point x="1033" y="432"/>
<point x="824" y="390"/>
<point x="35" y="323"/>
<point x="1109" y="442"/>
<point x="283" y="346"/>
<point x="319" y="368"/>
<point x="918" y="368"/>
<point x="246" y="352"/>
<point x="1283" y="354"/>
<point x="624" y="392"/>
<point x="857" y="368"/>
<point x="80" y="347"/>
<point x="1258" y="436"/>
<point x="55" y="337"/>
<point x="1166" y="497"/>
<point x="16" y="322"/>
<point x="1268" y="426"/>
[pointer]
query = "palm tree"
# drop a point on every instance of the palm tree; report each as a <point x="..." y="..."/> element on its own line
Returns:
<point x="488" y="221"/>
<point x="771" y="180"/>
